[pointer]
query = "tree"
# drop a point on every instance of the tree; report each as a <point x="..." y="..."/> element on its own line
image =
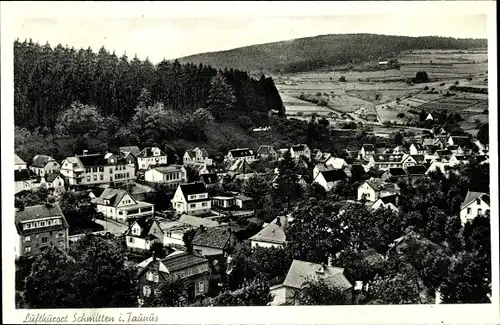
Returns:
<point x="169" y="294"/>
<point x="187" y="238"/>
<point x="80" y="120"/>
<point x="483" y="133"/>
<point x="157" y="250"/>
<point x="221" y="98"/>
<point x="257" y="188"/>
<point x="269" y="263"/>
<point x="287" y="188"/>
<point x="317" y="231"/>
<point x="342" y="79"/>
<point x="466" y="282"/>
<point x="422" y="116"/>
<point x="398" y="139"/>
<point x="420" y="77"/>
<point x="47" y="286"/>
<point x="395" y="290"/>
<point x="452" y="233"/>
<point x="320" y="292"/>
<point x="256" y="293"/>
<point x="79" y="211"/>
<point x="92" y="275"/>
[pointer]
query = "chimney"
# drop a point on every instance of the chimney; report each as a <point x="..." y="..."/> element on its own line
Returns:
<point x="85" y="152"/>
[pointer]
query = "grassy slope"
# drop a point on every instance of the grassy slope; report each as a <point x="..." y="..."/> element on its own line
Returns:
<point x="306" y="54"/>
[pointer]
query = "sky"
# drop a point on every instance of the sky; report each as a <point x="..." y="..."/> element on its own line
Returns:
<point x="169" y="38"/>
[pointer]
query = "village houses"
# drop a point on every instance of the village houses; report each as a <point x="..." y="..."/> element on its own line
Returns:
<point x="171" y="176"/>
<point x="19" y="164"/>
<point x="43" y="164"/>
<point x="192" y="199"/>
<point x="119" y="205"/>
<point x="196" y="156"/>
<point x="142" y="233"/>
<point x="474" y="204"/>
<point x="39" y="227"/>
<point x="267" y="152"/>
<point x="300" y="150"/>
<point x="151" y="156"/>
<point x="93" y="169"/>
<point x="272" y="235"/>
<point x="244" y="154"/>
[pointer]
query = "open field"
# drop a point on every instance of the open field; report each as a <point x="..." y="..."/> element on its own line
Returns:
<point x="378" y="96"/>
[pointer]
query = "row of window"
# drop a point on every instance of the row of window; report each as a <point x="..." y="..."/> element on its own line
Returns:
<point x="95" y="178"/>
<point x="193" y="205"/>
<point x="45" y="223"/>
<point x="199" y="196"/>
<point x="94" y="169"/>
<point x="123" y="175"/>
<point x="170" y="177"/>
<point x="27" y="249"/>
<point x="44" y="239"/>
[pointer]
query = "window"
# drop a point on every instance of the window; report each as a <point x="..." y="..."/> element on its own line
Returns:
<point x="156" y="278"/>
<point x="190" y="272"/>
<point x="479" y="211"/>
<point x="57" y="221"/>
<point x="128" y="175"/>
<point x="204" y="204"/>
<point x="49" y="223"/>
<point x="88" y="178"/>
<point x="201" y="286"/>
<point x="95" y="177"/>
<point x="101" y="169"/>
<point x="146" y="290"/>
<point x="87" y="170"/>
<point x="27" y="249"/>
<point x="192" y="205"/>
<point x="42" y="224"/>
<point x="469" y="210"/>
<point x="44" y="240"/>
<point x="111" y="171"/>
<point x="102" y="177"/>
<point x="149" y="276"/>
<point x="27" y="226"/>
<point x="27" y="238"/>
<point x="131" y="240"/>
<point x="478" y="201"/>
<point x="200" y="269"/>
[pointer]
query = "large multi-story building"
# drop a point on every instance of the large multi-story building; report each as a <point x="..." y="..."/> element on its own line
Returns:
<point x="171" y="176"/>
<point x="39" y="227"/>
<point x="119" y="205"/>
<point x="93" y="169"/>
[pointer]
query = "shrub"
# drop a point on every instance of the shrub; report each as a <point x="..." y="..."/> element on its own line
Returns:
<point x="401" y="115"/>
<point x="342" y="79"/>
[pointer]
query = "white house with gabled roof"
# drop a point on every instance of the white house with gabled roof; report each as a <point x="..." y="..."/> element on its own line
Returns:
<point x="192" y="199"/>
<point x="474" y="204"/>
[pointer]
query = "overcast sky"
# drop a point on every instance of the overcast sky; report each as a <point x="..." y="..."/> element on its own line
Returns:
<point x="159" y="38"/>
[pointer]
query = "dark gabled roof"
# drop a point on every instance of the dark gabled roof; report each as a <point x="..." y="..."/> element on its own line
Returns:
<point x="148" y="152"/>
<point x="461" y="157"/>
<point x="182" y="261"/>
<point x="443" y="152"/>
<point x="212" y="237"/>
<point x="114" y="196"/>
<point x="51" y="177"/>
<point x="461" y="140"/>
<point x="193" y="188"/>
<point x="389" y="199"/>
<point x="453" y="147"/>
<point x="134" y="150"/>
<point x="358" y="168"/>
<point x="416" y="170"/>
<point x="473" y="196"/>
<point x="241" y="152"/>
<point x="145" y="224"/>
<point x="299" y="147"/>
<point x="41" y="160"/>
<point x="22" y="175"/>
<point x="418" y="158"/>
<point x="368" y="147"/>
<point x="265" y="150"/>
<point x="334" y="175"/>
<point x="397" y="172"/>
<point x="39" y="212"/>
<point x="209" y="178"/>
<point x="93" y="160"/>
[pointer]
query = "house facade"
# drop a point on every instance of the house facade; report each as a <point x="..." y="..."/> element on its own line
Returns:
<point x="94" y="169"/>
<point x="417" y="149"/>
<point x="244" y="154"/>
<point x="192" y="199"/>
<point x="43" y="164"/>
<point x="475" y="204"/>
<point x="143" y="233"/>
<point x="213" y="241"/>
<point x="151" y="156"/>
<point x="329" y="179"/>
<point x="171" y="176"/>
<point x="300" y="150"/>
<point x="366" y="151"/>
<point x="119" y="205"/>
<point x="196" y="156"/>
<point x="267" y="152"/>
<point x="39" y="227"/>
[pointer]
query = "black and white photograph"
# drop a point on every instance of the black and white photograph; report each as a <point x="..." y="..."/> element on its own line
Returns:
<point x="275" y="160"/>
